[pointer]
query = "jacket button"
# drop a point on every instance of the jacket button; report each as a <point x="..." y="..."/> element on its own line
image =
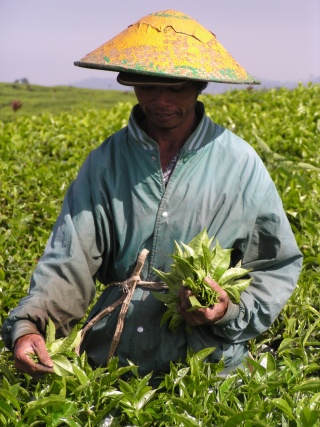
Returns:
<point x="140" y="329"/>
<point x="164" y="215"/>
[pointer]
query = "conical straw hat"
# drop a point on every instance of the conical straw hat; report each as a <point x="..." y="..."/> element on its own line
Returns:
<point x="168" y="44"/>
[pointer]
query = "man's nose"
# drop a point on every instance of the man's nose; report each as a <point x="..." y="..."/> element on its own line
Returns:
<point x="161" y="96"/>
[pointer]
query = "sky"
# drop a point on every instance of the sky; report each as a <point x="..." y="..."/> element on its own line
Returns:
<point x="272" y="39"/>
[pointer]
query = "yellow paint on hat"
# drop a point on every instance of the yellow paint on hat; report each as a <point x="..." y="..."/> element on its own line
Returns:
<point x="168" y="44"/>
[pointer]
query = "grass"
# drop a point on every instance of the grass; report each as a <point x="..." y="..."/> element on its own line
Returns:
<point x="55" y="99"/>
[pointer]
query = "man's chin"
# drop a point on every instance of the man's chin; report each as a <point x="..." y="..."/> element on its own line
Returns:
<point x="164" y="120"/>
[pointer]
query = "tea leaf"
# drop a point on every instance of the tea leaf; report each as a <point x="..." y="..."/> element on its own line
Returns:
<point x="312" y="384"/>
<point x="50" y="332"/>
<point x="235" y="420"/>
<point x="283" y="406"/>
<point x="61" y="365"/>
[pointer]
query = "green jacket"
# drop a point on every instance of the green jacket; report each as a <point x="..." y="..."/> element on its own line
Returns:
<point x="119" y="205"/>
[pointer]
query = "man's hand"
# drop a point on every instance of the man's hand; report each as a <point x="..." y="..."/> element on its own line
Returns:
<point x="203" y="316"/>
<point x="25" y="348"/>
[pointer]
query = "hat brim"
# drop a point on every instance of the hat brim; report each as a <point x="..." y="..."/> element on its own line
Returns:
<point x="168" y="44"/>
<point x="134" y="79"/>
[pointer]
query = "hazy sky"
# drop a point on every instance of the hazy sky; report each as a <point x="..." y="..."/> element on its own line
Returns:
<point x="40" y="39"/>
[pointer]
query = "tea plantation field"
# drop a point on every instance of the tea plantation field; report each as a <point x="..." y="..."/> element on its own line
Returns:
<point x="40" y="153"/>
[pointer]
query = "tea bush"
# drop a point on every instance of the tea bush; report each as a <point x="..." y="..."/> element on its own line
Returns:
<point x="40" y="156"/>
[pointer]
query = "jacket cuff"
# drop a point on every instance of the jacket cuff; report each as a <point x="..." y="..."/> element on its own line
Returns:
<point x="21" y="328"/>
<point x="232" y="313"/>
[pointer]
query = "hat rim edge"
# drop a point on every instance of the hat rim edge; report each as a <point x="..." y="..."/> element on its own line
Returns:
<point x="119" y="69"/>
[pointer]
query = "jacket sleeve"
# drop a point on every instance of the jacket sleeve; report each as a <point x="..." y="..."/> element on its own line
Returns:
<point x="270" y="251"/>
<point x="63" y="283"/>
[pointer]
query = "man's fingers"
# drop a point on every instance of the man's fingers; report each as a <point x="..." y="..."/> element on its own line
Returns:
<point x="203" y="316"/>
<point x="32" y="368"/>
<point x="43" y="355"/>
<point x="184" y="298"/>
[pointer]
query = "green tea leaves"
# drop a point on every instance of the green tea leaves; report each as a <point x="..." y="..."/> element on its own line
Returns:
<point x="194" y="262"/>
<point x="60" y="349"/>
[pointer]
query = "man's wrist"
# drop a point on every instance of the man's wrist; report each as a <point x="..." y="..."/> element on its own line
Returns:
<point x="21" y="328"/>
<point x="231" y="313"/>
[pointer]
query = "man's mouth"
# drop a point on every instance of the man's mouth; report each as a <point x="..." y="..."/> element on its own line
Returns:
<point x="162" y="115"/>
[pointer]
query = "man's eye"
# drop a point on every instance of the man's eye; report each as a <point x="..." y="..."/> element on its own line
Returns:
<point x="180" y="88"/>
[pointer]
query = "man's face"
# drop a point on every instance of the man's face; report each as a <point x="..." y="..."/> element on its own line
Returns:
<point x="167" y="107"/>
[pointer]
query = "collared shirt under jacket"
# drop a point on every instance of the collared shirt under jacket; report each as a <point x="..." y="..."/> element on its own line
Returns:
<point x="119" y="205"/>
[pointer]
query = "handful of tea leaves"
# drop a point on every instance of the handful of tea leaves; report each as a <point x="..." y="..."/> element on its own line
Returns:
<point x="192" y="263"/>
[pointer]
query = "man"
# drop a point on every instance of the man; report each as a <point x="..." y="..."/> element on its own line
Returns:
<point x="168" y="175"/>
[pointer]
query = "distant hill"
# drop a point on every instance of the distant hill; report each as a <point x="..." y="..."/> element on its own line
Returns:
<point x="112" y="84"/>
<point x="99" y="83"/>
